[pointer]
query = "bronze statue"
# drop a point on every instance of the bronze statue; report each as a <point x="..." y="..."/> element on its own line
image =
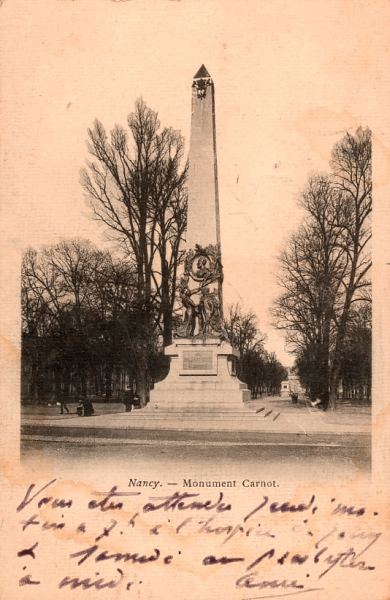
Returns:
<point x="189" y="307"/>
<point x="203" y="266"/>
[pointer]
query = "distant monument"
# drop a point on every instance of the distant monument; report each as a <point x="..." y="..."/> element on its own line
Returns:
<point x="202" y="361"/>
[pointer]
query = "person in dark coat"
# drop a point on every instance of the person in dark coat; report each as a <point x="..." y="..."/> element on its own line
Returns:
<point x="63" y="406"/>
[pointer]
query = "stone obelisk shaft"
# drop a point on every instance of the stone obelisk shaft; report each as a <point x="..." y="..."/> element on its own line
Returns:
<point x="203" y="207"/>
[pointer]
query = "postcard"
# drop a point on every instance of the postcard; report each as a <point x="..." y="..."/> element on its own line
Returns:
<point x="194" y="281"/>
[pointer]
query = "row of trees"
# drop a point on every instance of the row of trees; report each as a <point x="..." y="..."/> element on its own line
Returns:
<point x="325" y="303"/>
<point x="82" y="334"/>
<point x="80" y="328"/>
<point x="260" y="370"/>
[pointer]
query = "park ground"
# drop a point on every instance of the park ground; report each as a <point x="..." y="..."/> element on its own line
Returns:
<point x="273" y="435"/>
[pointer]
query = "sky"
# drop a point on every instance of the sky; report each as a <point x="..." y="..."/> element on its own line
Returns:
<point x="290" y="78"/>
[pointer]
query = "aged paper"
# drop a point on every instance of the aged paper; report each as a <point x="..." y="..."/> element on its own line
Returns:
<point x="291" y="78"/>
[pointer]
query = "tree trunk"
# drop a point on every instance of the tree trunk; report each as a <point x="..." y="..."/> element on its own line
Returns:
<point x="34" y="383"/>
<point x="167" y="326"/>
<point x="66" y="382"/>
<point x="334" y="384"/>
<point x="83" y="381"/>
<point x="108" y="382"/>
<point x="142" y="379"/>
<point x="57" y="383"/>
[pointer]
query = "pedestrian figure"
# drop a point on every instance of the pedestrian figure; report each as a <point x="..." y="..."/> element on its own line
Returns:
<point x="63" y="406"/>
<point x="88" y="408"/>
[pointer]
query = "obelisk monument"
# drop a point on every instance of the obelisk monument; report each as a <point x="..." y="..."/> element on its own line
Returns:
<point x="202" y="361"/>
<point x="203" y="203"/>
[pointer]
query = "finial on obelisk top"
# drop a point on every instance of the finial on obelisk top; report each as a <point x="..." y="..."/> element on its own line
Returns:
<point x="202" y="73"/>
<point x="201" y="81"/>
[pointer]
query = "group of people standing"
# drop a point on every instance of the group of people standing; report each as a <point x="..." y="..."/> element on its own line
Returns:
<point x="84" y="408"/>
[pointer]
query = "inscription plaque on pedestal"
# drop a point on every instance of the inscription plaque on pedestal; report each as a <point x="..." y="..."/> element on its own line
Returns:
<point x="197" y="362"/>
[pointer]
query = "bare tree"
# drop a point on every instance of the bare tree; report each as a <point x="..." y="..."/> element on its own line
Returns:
<point x="242" y="329"/>
<point x="114" y="292"/>
<point x="78" y="319"/>
<point x="313" y="267"/>
<point x="139" y="194"/>
<point x="352" y="172"/>
<point x="260" y="370"/>
<point x="324" y="269"/>
<point x="356" y="359"/>
<point x="60" y="283"/>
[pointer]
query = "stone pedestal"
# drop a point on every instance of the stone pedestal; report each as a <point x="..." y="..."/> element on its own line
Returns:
<point x="201" y="379"/>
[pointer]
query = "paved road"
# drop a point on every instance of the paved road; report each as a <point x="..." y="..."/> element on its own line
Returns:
<point x="304" y="462"/>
